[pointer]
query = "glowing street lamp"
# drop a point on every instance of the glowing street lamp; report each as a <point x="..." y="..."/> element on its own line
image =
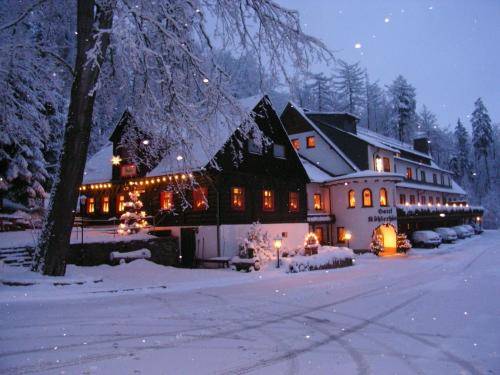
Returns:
<point x="347" y="237"/>
<point x="277" y="245"/>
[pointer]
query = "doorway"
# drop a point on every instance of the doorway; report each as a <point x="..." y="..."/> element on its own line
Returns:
<point x="188" y="247"/>
<point x="386" y="234"/>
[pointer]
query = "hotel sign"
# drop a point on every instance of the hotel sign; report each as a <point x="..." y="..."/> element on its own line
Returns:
<point x="384" y="215"/>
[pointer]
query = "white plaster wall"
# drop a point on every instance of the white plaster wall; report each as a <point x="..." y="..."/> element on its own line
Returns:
<point x="315" y="188"/>
<point x="373" y="151"/>
<point x="323" y="153"/>
<point x="355" y="219"/>
<point x="418" y="193"/>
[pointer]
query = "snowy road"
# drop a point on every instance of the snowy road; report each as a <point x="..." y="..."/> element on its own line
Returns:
<point x="433" y="312"/>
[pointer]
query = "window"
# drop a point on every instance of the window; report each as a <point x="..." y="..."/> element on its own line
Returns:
<point x="409" y="173"/>
<point x="351" y="199"/>
<point x="412" y="199"/>
<point x="254" y="147"/>
<point x="387" y="165"/>
<point x="120" y="203"/>
<point x="422" y="199"/>
<point x="442" y="179"/>
<point x="434" y="178"/>
<point x="293" y="201"/>
<point x="431" y="200"/>
<point x="367" y="198"/>
<point x="438" y="201"/>
<point x="383" y="197"/>
<point x="318" y="204"/>
<point x="318" y="231"/>
<point x="379" y="164"/>
<point x="90" y="205"/>
<point x="166" y="200"/>
<point x="268" y="200"/>
<point x="296" y="144"/>
<point x="128" y="170"/>
<point x="449" y="181"/>
<point x="310" y="142"/>
<point x="279" y="151"/>
<point x="200" y="199"/>
<point x="238" y="198"/>
<point x="422" y="176"/>
<point x="402" y="199"/>
<point x="105" y="205"/>
<point x="340" y="234"/>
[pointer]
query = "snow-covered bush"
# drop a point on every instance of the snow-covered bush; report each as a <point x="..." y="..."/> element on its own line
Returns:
<point x="403" y="243"/>
<point x="328" y="257"/>
<point x="376" y="246"/>
<point x="256" y="243"/>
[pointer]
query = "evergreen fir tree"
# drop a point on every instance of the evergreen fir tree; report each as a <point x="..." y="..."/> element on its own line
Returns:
<point x="482" y="141"/>
<point x="403" y="105"/>
<point x="460" y="162"/>
<point x="320" y="92"/>
<point x="349" y="81"/>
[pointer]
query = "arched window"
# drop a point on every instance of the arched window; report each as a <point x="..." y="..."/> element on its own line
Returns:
<point x="383" y="197"/>
<point x="352" y="199"/>
<point x="367" y="198"/>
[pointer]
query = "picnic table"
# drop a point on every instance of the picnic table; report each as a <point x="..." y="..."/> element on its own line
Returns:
<point x="11" y="223"/>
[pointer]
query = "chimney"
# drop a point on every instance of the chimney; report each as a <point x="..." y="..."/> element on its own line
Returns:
<point x="421" y="143"/>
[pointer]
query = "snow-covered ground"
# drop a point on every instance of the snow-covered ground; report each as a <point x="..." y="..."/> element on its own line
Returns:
<point x="433" y="312"/>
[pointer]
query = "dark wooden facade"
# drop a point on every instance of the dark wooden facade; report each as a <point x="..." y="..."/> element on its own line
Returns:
<point x="254" y="173"/>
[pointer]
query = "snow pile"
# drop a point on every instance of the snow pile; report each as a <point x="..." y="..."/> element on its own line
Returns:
<point x="415" y="208"/>
<point x="138" y="254"/>
<point x="327" y="257"/>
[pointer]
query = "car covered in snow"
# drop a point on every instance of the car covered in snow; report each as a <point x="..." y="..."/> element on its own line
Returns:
<point x="447" y="234"/>
<point x="461" y="231"/>
<point x="469" y="228"/>
<point x="477" y="228"/>
<point x="426" y="238"/>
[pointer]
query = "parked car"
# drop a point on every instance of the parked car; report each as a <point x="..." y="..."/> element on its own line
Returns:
<point x="477" y="228"/>
<point x="470" y="229"/>
<point x="424" y="238"/>
<point x="461" y="231"/>
<point x="447" y="234"/>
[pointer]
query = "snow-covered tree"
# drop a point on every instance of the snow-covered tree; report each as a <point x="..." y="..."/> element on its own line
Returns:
<point x="349" y="82"/>
<point x="403" y="100"/>
<point x="320" y="93"/>
<point x="460" y="162"/>
<point x="482" y="141"/>
<point x="376" y="109"/>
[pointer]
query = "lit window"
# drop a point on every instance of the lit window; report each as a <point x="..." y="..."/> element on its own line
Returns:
<point x="318" y="204"/>
<point x="340" y="234"/>
<point x="431" y="200"/>
<point x="310" y="142"/>
<point x="199" y="199"/>
<point x="267" y="200"/>
<point x="379" y="166"/>
<point x="166" y="200"/>
<point x="279" y="151"/>
<point x="422" y="199"/>
<point x="383" y="197"/>
<point x="422" y="176"/>
<point x="402" y="199"/>
<point x="237" y="198"/>
<point x="387" y="165"/>
<point x="412" y="199"/>
<point x="90" y="205"/>
<point x="434" y="178"/>
<point x="409" y="173"/>
<point x="318" y="231"/>
<point x="367" y="198"/>
<point x="105" y="205"/>
<point x="120" y="203"/>
<point x="293" y="201"/>
<point x="296" y="144"/>
<point x="352" y="199"/>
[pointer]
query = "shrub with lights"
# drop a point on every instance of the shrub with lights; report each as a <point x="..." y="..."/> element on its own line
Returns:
<point x="311" y="244"/>
<point x="134" y="219"/>
<point x="376" y="245"/>
<point x="402" y="243"/>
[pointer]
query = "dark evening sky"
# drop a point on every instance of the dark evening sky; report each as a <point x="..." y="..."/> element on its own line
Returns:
<point x="449" y="50"/>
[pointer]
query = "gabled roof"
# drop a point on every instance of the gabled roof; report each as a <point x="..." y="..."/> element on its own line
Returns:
<point x="292" y="106"/>
<point x="314" y="173"/>
<point x="368" y="174"/>
<point x="98" y="168"/>
<point x="454" y="189"/>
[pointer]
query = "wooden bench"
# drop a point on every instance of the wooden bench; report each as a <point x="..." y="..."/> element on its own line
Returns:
<point x="224" y="261"/>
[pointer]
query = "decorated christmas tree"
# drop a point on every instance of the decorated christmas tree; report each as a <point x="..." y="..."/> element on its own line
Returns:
<point x="133" y="220"/>
<point x="376" y="245"/>
<point x="403" y="244"/>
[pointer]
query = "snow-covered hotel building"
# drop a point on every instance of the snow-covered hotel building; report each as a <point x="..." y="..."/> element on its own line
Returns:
<point x="368" y="184"/>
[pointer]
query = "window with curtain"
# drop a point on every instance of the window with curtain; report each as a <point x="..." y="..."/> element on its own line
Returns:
<point x="268" y="200"/>
<point x="105" y="205"/>
<point x="200" y="199"/>
<point x="367" y="198"/>
<point x="238" y="198"/>
<point x="351" y="197"/>
<point x="383" y="197"/>
<point x="293" y="201"/>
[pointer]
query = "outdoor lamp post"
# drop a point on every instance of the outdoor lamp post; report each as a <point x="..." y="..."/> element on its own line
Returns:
<point x="277" y="246"/>
<point x="348" y="237"/>
<point x="83" y="200"/>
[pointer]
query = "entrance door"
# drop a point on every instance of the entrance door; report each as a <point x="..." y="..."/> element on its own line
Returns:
<point x="387" y="235"/>
<point x="188" y="246"/>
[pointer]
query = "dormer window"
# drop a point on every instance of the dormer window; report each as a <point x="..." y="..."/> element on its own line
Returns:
<point x="311" y="142"/>
<point x="387" y="164"/>
<point x="296" y="144"/>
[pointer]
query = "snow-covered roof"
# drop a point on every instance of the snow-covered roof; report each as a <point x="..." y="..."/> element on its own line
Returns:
<point x="325" y="138"/>
<point x="314" y="173"/>
<point x="454" y="189"/>
<point x="332" y="113"/>
<point x="431" y="166"/>
<point x="205" y="143"/>
<point x="367" y="174"/>
<point x="98" y="168"/>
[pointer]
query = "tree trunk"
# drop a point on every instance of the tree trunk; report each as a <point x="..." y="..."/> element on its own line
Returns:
<point x="94" y="27"/>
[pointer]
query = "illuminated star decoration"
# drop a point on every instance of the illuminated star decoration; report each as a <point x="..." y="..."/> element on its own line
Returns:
<point x="116" y="160"/>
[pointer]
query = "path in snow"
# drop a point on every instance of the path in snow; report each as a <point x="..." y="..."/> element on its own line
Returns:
<point x="435" y="311"/>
